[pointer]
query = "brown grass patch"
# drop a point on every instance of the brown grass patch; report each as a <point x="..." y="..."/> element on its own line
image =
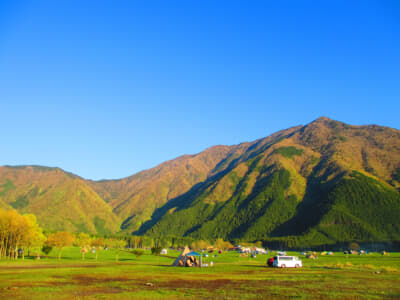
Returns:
<point x="89" y="280"/>
<point x="97" y="291"/>
<point x="227" y="284"/>
<point x="196" y="284"/>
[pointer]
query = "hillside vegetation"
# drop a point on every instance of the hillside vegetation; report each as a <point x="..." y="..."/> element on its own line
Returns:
<point x="324" y="182"/>
<point x="59" y="200"/>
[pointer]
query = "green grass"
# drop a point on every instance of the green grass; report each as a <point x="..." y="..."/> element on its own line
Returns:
<point x="371" y="276"/>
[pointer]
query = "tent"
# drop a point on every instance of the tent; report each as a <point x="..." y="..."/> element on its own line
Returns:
<point x="188" y="259"/>
<point x="180" y="261"/>
<point x="191" y="259"/>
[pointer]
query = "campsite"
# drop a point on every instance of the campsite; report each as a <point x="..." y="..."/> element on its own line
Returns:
<point x="232" y="276"/>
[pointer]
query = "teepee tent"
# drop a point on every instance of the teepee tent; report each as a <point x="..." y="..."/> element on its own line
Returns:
<point x="193" y="262"/>
<point x="180" y="261"/>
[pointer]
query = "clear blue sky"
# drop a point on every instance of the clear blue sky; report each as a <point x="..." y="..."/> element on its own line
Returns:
<point x="105" y="89"/>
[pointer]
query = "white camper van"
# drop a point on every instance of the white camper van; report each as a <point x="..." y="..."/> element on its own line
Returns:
<point x="287" y="262"/>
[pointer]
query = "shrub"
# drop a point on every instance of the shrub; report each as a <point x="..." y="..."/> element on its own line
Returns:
<point x="156" y="250"/>
<point x="46" y="249"/>
<point x="138" y="252"/>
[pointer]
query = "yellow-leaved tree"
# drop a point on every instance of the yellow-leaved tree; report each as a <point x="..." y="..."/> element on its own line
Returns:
<point x="84" y="241"/>
<point x="97" y="244"/>
<point x="117" y="245"/>
<point x="34" y="237"/>
<point x="200" y="245"/>
<point x="17" y="231"/>
<point x="222" y="245"/>
<point x="60" y="240"/>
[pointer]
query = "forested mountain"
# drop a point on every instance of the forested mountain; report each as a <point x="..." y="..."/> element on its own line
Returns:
<point x="135" y="198"/>
<point x="319" y="183"/>
<point x="59" y="200"/>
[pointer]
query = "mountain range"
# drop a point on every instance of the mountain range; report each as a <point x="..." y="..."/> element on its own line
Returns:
<point x="323" y="182"/>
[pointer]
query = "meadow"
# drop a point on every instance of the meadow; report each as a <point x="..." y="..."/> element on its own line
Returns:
<point x="370" y="276"/>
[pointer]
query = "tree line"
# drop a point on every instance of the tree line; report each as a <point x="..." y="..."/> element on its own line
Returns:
<point x="175" y="242"/>
<point x="17" y="232"/>
<point x="20" y="234"/>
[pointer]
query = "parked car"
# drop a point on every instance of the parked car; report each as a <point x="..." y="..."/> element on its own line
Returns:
<point x="287" y="262"/>
<point x="270" y="262"/>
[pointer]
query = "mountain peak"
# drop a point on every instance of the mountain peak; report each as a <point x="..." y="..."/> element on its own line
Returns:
<point x="324" y="122"/>
<point x="322" y="119"/>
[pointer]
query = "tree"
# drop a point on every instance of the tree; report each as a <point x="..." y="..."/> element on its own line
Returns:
<point x="136" y="241"/>
<point x="46" y="249"/>
<point x="222" y="245"/>
<point x="34" y="237"/>
<point x="98" y="242"/>
<point x="199" y="245"/>
<point x="60" y="240"/>
<point x="17" y="231"/>
<point x="259" y="244"/>
<point x="83" y="240"/>
<point x="13" y="229"/>
<point x="138" y="253"/>
<point x="156" y="251"/>
<point x="117" y="245"/>
<point x="227" y="245"/>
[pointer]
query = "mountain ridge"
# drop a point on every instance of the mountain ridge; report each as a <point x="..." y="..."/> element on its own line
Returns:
<point x="318" y="156"/>
<point x="270" y="183"/>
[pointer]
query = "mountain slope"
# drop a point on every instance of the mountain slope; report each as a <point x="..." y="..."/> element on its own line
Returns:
<point x="60" y="200"/>
<point x="320" y="183"/>
<point x="297" y="185"/>
<point x="135" y="198"/>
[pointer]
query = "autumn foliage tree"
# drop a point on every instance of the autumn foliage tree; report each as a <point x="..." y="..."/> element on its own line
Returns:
<point x="34" y="237"/>
<point x="17" y="231"/>
<point x="200" y="245"/>
<point x="60" y="240"/>
<point x="117" y="245"/>
<point x="83" y="240"/>
<point x="222" y="245"/>
<point x="97" y="243"/>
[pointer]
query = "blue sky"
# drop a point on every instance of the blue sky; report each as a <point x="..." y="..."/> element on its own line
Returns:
<point x="105" y="89"/>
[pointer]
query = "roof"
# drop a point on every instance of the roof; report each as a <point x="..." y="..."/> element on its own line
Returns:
<point x="193" y="254"/>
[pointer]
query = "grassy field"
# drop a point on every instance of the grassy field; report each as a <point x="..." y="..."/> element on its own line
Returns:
<point x="232" y="277"/>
